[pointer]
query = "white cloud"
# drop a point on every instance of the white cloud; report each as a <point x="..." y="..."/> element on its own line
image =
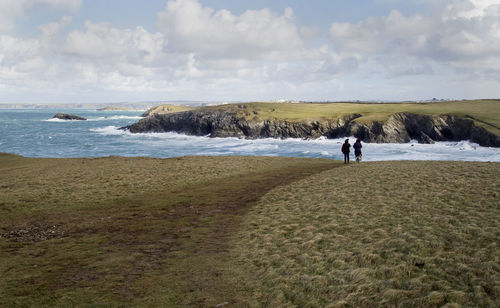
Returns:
<point x="19" y="58"/>
<point x="53" y="28"/>
<point x="471" y="9"/>
<point x="457" y="35"/>
<point x="103" y="41"/>
<point x="310" y="33"/>
<point x="190" y="27"/>
<point x="11" y="10"/>
<point x="197" y="51"/>
<point x="202" y="53"/>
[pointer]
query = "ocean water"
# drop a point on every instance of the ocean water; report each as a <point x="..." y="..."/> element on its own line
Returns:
<point x="32" y="133"/>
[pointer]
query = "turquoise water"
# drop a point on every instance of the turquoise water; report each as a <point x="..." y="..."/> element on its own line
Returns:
<point x="32" y="133"/>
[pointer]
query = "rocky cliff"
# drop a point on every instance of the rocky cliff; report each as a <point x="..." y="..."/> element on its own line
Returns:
<point x="399" y="128"/>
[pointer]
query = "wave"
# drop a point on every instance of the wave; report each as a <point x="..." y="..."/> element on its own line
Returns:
<point x="105" y="118"/>
<point x="109" y="130"/>
<point x="175" y="144"/>
<point x="60" y="120"/>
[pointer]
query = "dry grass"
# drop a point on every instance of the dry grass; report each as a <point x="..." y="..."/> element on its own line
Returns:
<point x="29" y="185"/>
<point x="251" y="231"/>
<point x="168" y="108"/>
<point x="127" y="231"/>
<point x="408" y="234"/>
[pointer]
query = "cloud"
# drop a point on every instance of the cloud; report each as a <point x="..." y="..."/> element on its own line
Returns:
<point x="11" y="10"/>
<point x="190" y="27"/>
<point x="471" y="9"/>
<point x="258" y="46"/>
<point x="198" y="52"/>
<point x="53" y="28"/>
<point x="103" y="41"/>
<point x="457" y="35"/>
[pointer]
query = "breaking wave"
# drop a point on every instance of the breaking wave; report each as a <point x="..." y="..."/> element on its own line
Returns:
<point x="174" y="144"/>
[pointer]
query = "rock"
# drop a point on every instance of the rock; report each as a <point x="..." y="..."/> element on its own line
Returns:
<point x="68" y="116"/>
<point x="398" y="128"/>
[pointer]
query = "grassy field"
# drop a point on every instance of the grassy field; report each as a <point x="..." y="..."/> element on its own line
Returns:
<point x="249" y="231"/>
<point x="168" y="108"/>
<point x="408" y="234"/>
<point x="127" y="231"/>
<point x="484" y="112"/>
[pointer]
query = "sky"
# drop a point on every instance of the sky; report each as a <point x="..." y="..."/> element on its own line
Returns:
<point x="89" y="51"/>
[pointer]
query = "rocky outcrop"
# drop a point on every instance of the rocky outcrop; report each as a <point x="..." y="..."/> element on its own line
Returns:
<point x="403" y="127"/>
<point x="399" y="128"/>
<point x="68" y="116"/>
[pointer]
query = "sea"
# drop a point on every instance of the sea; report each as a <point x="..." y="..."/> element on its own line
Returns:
<point x="34" y="133"/>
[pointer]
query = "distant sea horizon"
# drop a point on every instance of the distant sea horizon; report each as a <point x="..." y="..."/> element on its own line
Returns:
<point x="151" y="103"/>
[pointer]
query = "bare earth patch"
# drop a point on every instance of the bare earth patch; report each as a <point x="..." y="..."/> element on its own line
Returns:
<point x="33" y="233"/>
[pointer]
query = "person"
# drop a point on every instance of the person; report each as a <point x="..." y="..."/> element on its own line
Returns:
<point x="357" y="150"/>
<point x="346" y="149"/>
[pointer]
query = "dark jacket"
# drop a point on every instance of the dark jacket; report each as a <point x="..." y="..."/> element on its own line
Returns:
<point x="357" y="148"/>
<point x="345" y="148"/>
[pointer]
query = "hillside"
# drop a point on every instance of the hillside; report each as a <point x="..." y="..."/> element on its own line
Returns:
<point x="166" y="109"/>
<point x="478" y="121"/>
<point x="249" y="231"/>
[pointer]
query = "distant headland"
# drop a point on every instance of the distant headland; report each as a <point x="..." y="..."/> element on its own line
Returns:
<point x="474" y="120"/>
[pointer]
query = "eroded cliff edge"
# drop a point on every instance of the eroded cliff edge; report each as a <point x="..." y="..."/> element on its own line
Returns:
<point x="398" y="128"/>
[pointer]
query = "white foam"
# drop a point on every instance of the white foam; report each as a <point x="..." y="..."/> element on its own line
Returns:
<point x="60" y="120"/>
<point x="174" y="144"/>
<point x="109" y="130"/>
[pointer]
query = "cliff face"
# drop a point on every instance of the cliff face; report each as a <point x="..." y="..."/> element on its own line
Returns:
<point x="399" y="128"/>
<point x="403" y="127"/>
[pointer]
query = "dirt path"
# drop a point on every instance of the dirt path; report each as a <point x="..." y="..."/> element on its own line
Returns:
<point x="192" y="252"/>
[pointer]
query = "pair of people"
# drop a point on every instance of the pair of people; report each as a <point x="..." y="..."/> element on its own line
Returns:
<point x="346" y="149"/>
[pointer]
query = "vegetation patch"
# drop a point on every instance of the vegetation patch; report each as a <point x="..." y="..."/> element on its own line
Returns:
<point x="412" y="234"/>
<point x="128" y="231"/>
<point x="247" y="232"/>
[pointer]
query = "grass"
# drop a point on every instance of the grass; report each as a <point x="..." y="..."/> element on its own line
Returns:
<point x="409" y="234"/>
<point x="168" y="108"/>
<point x="127" y="231"/>
<point x="250" y="231"/>
<point x="483" y="112"/>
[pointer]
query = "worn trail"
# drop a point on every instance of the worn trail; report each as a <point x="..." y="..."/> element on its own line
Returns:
<point x="192" y="251"/>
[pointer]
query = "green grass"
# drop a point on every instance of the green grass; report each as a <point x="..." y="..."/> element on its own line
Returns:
<point x="251" y="231"/>
<point x="168" y="108"/>
<point x="484" y="112"/>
